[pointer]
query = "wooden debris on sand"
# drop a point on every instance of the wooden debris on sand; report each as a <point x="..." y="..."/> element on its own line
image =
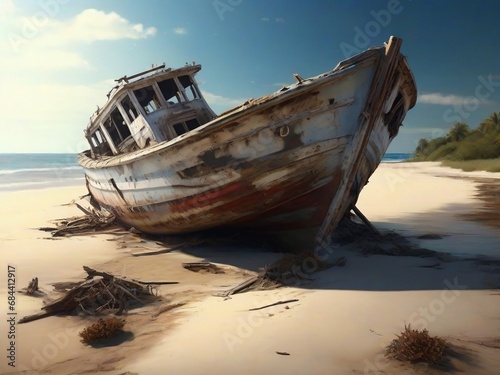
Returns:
<point x="100" y="293"/>
<point x="274" y="304"/>
<point x="202" y="266"/>
<point x="92" y="221"/>
<point x="32" y="289"/>
<point x="157" y="251"/>
<point x="288" y="270"/>
<point x="352" y="235"/>
<point x="259" y="282"/>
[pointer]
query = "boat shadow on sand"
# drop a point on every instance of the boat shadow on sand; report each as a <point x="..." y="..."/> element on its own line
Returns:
<point x="357" y="259"/>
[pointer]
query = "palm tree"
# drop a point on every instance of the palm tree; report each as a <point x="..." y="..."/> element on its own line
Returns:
<point x="458" y="132"/>
<point x="491" y="124"/>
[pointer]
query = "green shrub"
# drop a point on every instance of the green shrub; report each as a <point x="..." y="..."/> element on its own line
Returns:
<point x="488" y="165"/>
<point x="477" y="149"/>
<point x="443" y="151"/>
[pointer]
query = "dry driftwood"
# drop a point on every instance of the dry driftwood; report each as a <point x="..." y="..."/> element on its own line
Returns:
<point x="93" y="273"/>
<point x="202" y="266"/>
<point x="240" y="287"/>
<point x="166" y="308"/>
<point x="159" y="251"/>
<point x="274" y="304"/>
<point x="92" y="221"/>
<point x="32" y="287"/>
<point x="100" y="293"/>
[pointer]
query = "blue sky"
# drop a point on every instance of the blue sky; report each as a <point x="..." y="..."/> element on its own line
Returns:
<point x="58" y="58"/>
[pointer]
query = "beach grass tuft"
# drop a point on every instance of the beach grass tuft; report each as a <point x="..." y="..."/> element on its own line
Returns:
<point x="102" y="329"/>
<point x="488" y="165"/>
<point x="414" y="345"/>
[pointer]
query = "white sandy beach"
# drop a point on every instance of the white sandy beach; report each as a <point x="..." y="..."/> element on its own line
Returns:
<point x="343" y="318"/>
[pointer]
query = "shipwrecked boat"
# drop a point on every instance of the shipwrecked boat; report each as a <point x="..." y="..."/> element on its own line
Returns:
<point x="291" y="163"/>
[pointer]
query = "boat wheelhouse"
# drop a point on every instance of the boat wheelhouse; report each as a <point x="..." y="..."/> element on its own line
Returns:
<point x="146" y="109"/>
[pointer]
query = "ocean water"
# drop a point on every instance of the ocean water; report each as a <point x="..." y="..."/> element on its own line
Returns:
<point x="31" y="171"/>
<point x="394" y="157"/>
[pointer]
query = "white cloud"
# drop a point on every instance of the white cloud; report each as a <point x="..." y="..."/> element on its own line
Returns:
<point x="431" y="131"/>
<point x="447" y="99"/>
<point x="48" y="116"/>
<point x="214" y="99"/>
<point x="95" y="25"/>
<point x="441" y="99"/>
<point x="277" y="19"/>
<point x="86" y="27"/>
<point x="41" y="112"/>
<point x="180" y="30"/>
<point x="52" y="44"/>
<point x="7" y="8"/>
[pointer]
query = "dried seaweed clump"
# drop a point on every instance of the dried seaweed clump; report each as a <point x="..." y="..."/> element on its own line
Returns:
<point x="102" y="329"/>
<point x="413" y="345"/>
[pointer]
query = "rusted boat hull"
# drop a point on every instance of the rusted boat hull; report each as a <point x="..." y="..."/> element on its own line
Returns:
<point x="273" y="164"/>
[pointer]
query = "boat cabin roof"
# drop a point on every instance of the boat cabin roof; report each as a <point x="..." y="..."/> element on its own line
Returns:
<point x="137" y="81"/>
<point x="149" y="107"/>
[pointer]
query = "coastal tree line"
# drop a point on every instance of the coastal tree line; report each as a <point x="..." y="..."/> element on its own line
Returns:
<point x="463" y="143"/>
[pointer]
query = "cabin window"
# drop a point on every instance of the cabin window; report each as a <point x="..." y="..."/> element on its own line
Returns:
<point x="180" y="128"/>
<point x="184" y="127"/>
<point x="189" y="87"/>
<point x="147" y="99"/>
<point x="100" y="143"/>
<point x="170" y="91"/>
<point x="120" y="124"/>
<point x="116" y="127"/>
<point x="192" y="124"/>
<point x="112" y="130"/>
<point x="129" y="108"/>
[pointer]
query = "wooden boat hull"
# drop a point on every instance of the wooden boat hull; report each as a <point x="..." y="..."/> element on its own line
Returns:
<point x="273" y="164"/>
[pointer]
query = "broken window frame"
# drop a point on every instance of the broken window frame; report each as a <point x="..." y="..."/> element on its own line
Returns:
<point x="185" y="126"/>
<point x="179" y="95"/>
<point x="132" y="107"/>
<point x="102" y="142"/>
<point x="159" y="99"/>
<point x="193" y="88"/>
